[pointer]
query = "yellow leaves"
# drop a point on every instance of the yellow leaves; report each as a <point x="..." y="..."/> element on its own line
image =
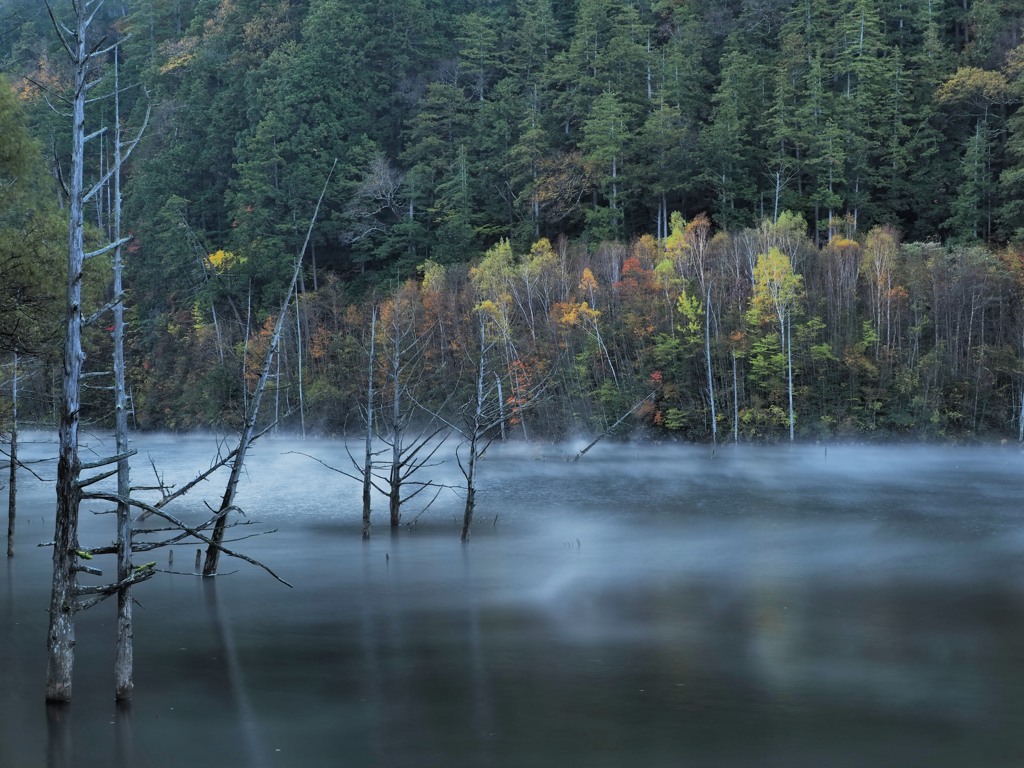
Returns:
<point x="542" y="258"/>
<point x="44" y="77"/>
<point x="433" y="276"/>
<point x="221" y="261"/>
<point x="691" y="311"/>
<point x="259" y="345"/>
<point x="676" y="244"/>
<point x="179" y="54"/>
<point x="665" y="274"/>
<point x="973" y="85"/>
<point x="576" y="315"/>
<point x="1014" y="67"/>
<point x="588" y="282"/>
<point x="198" y="319"/>
<point x="488" y="308"/>
<point x="698" y="227"/>
<point x="880" y="250"/>
<point x="777" y="288"/>
<point x="177" y="62"/>
<point x="493" y="272"/>
<point x="320" y="344"/>
<point x="645" y="250"/>
<point x="840" y="243"/>
<point x="215" y="25"/>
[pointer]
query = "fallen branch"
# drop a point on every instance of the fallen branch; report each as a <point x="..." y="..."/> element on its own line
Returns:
<point x="97" y="594"/>
<point x="610" y="429"/>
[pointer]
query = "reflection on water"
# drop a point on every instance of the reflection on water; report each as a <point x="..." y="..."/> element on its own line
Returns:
<point x="647" y="606"/>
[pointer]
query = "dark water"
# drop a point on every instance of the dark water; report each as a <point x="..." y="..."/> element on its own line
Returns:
<point x="648" y="606"/>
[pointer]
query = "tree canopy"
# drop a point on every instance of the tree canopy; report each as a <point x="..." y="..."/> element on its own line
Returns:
<point x="533" y="153"/>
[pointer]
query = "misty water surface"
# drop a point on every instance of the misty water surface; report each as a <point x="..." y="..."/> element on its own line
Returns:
<point x="647" y="606"/>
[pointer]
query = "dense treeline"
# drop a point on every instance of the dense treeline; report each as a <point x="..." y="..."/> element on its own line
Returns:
<point x="762" y="216"/>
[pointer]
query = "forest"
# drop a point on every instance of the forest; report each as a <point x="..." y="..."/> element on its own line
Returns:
<point x="725" y="220"/>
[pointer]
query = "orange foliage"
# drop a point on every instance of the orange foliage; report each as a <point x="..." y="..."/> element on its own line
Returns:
<point x="44" y="77"/>
<point x="320" y="343"/>
<point x="259" y="345"/>
<point x="574" y="315"/>
<point x="521" y="373"/>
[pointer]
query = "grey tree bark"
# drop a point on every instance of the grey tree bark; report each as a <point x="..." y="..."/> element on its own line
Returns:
<point x="475" y="438"/>
<point x="124" y="684"/>
<point x="368" y="454"/>
<point x="61" y="634"/>
<point x="12" y="482"/>
<point x="67" y="596"/>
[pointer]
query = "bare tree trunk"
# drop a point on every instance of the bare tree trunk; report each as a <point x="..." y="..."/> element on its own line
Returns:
<point x="789" y="367"/>
<point x="474" y="440"/>
<point x="66" y="593"/>
<point x="735" y="402"/>
<point x="368" y="454"/>
<point x="298" y="347"/>
<point x="61" y="635"/>
<point x="1020" y="436"/>
<point x="124" y="653"/>
<point x="398" y="430"/>
<point x="12" y="484"/>
<point x="397" y="427"/>
<point x="707" y="357"/>
<point x="501" y="406"/>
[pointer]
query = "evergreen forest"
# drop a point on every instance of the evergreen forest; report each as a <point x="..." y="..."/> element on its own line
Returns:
<point x="724" y="220"/>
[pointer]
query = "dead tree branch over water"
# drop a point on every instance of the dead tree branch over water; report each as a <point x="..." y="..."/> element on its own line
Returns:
<point x="612" y="428"/>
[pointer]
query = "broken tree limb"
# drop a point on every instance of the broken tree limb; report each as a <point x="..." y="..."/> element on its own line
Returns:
<point x="108" y="460"/>
<point x="194" y="532"/>
<point x="97" y="594"/>
<point x="167" y="498"/>
<point x="610" y="429"/>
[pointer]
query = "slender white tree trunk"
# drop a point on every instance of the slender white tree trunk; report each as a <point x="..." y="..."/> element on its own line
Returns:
<point x="12" y="482"/>
<point x="60" y="639"/>
<point x="298" y="346"/>
<point x="789" y="365"/>
<point x="707" y="357"/>
<point x="474" y="439"/>
<point x="1020" y="436"/>
<point x="735" y="402"/>
<point x="368" y="454"/>
<point x="124" y="652"/>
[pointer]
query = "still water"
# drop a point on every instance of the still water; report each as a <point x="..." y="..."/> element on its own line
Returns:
<point x="647" y="606"/>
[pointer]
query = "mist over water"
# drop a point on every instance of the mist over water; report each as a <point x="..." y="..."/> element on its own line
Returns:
<point x="648" y="605"/>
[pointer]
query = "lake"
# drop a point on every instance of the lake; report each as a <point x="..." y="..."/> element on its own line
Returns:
<point x="650" y="605"/>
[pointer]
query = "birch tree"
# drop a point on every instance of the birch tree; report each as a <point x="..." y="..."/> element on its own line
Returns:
<point x="777" y="294"/>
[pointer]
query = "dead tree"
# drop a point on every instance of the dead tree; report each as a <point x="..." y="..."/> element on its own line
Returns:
<point x="368" y="452"/>
<point x="391" y="423"/>
<point x="482" y="420"/>
<point x="179" y="531"/>
<point x="249" y="434"/>
<point x="12" y="486"/>
<point x="124" y="652"/>
<point x="409" y="453"/>
<point x="611" y="429"/>
<point x="67" y="596"/>
<point x="69" y="558"/>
